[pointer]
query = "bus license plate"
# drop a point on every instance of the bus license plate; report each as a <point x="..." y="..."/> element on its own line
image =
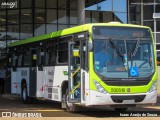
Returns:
<point x="128" y="101"/>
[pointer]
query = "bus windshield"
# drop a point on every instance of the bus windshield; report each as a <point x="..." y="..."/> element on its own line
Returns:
<point x="123" y="56"/>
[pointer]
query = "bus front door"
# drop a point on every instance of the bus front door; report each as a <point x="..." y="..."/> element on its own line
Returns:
<point x="74" y="70"/>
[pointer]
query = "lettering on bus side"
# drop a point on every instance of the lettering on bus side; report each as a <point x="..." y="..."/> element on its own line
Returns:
<point x="80" y="36"/>
<point x="51" y="72"/>
<point x="24" y="73"/>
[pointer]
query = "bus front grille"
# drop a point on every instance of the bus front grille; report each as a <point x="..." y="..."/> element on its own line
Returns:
<point x="126" y="82"/>
<point x="119" y="99"/>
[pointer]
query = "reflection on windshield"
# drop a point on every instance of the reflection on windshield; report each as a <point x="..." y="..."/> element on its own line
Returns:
<point x="123" y="58"/>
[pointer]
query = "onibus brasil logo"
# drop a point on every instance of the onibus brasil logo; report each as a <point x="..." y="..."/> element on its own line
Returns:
<point x="9" y="4"/>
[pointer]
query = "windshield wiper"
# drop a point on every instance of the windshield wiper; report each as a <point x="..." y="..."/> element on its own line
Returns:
<point x="134" y="51"/>
<point x="115" y="47"/>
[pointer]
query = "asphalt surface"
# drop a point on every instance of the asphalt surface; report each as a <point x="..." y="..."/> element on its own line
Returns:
<point x="41" y="108"/>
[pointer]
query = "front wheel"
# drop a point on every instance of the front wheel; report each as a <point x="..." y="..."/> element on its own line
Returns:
<point x="70" y="107"/>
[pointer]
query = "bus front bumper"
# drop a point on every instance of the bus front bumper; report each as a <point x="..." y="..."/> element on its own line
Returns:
<point x="96" y="98"/>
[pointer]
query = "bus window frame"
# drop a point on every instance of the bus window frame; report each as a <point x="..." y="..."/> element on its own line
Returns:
<point x="25" y="55"/>
<point x="14" y="61"/>
<point x="51" y="46"/>
<point x="20" y="60"/>
<point x="67" y="38"/>
<point x="41" y="49"/>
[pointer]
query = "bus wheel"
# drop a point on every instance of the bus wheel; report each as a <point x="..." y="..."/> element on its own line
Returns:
<point x="25" y="97"/>
<point x="70" y="107"/>
<point x="120" y="109"/>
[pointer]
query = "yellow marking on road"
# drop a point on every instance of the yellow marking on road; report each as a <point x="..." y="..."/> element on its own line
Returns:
<point x="153" y="107"/>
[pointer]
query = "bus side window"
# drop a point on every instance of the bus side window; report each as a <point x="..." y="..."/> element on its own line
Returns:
<point x="26" y="59"/>
<point x="20" y="60"/>
<point x="14" y="61"/>
<point x="63" y="49"/>
<point x="51" y="56"/>
<point x="10" y="58"/>
<point x="41" y="59"/>
<point x="34" y="58"/>
<point x="47" y="57"/>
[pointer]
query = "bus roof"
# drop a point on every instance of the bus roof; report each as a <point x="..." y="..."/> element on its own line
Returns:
<point x="69" y="31"/>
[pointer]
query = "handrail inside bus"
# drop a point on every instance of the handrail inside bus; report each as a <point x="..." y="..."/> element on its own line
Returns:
<point x="75" y="72"/>
<point x="75" y="88"/>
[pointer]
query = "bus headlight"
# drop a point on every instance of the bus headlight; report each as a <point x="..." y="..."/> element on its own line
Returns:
<point x="153" y="87"/>
<point x="99" y="87"/>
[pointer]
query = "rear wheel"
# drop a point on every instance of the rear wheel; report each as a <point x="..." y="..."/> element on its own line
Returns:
<point x="70" y="107"/>
<point x="25" y="98"/>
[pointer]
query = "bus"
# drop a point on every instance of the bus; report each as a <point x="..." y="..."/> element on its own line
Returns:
<point x="98" y="64"/>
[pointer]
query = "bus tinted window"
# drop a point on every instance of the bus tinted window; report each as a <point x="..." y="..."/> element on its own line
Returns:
<point x="63" y="49"/>
<point x="14" y="60"/>
<point x="41" y="57"/>
<point x="51" y="56"/>
<point x="20" y="60"/>
<point x="51" y="53"/>
<point x="26" y="58"/>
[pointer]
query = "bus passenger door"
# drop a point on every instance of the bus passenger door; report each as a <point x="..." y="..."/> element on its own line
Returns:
<point x="74" y="75"/>
<point x="33" y="72"/>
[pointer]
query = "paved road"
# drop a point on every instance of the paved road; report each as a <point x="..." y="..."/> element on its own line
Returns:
<point x="11" y="103"/>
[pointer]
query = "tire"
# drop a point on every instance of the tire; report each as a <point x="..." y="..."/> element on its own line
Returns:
<point x="25" y="98"/>
<point x="120" y="109"/>
<point x="70" y="107"/>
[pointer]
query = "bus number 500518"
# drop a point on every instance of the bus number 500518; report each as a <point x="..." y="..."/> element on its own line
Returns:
<point x="117" y="90"/>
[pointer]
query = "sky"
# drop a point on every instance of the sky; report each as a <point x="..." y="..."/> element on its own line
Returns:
<point x="119" y="7"/>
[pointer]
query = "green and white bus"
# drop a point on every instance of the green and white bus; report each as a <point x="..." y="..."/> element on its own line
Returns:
<point x="101" y="64"/>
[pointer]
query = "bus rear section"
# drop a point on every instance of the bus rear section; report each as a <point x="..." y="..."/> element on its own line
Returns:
<point x="123" y="67"/>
